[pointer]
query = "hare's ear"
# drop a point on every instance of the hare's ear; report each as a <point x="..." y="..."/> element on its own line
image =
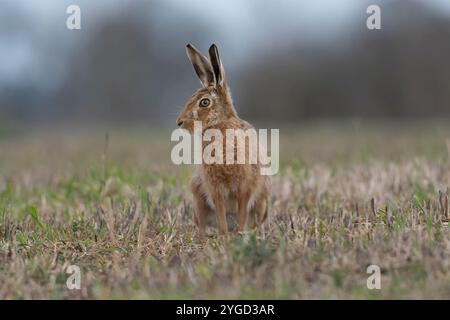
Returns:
<point x="202" y="66"/>
<point x="219" y="72"/>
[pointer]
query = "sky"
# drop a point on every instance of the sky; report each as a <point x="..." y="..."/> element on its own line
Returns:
<point x="308" y="20"/>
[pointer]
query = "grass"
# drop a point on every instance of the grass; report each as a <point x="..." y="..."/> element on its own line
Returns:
<point x="346" y="197"/>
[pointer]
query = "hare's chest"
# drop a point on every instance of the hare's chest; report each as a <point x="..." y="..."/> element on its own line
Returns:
<point x="221" y="178"/>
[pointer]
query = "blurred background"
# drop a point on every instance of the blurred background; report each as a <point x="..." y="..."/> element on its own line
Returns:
<point x="86" y="176"/>
<point x="287" y="61"/>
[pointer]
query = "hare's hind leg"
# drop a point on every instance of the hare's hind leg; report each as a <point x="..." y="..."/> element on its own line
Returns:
<point x="201" y="206"/>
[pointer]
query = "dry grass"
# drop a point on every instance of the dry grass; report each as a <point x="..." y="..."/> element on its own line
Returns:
<point x="125" y="219"/>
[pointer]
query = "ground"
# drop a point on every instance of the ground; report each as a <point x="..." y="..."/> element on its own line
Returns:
<point x="347" y="196"/>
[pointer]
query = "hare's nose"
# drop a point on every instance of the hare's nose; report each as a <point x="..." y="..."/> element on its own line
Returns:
<point x="179" y="123"/>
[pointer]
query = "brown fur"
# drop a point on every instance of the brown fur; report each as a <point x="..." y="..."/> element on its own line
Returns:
<point x="222" y="187"/>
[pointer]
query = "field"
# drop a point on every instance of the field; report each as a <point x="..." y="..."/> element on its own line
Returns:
<point x="347" y="196"/>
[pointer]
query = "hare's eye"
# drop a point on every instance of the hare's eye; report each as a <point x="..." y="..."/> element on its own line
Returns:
<point x="204" y="103"/>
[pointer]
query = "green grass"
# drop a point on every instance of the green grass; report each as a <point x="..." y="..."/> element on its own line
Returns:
<point x="125" y="218"/>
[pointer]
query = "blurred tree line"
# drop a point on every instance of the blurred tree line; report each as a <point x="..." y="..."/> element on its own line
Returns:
<point x="399" y="71"/>
<point x="132" y="68"/>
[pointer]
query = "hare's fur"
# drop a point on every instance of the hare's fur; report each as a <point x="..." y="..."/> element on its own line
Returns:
<point x="239" y="189"/>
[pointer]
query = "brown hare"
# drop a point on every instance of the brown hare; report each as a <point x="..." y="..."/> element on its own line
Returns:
<point x="239" y="189"/>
